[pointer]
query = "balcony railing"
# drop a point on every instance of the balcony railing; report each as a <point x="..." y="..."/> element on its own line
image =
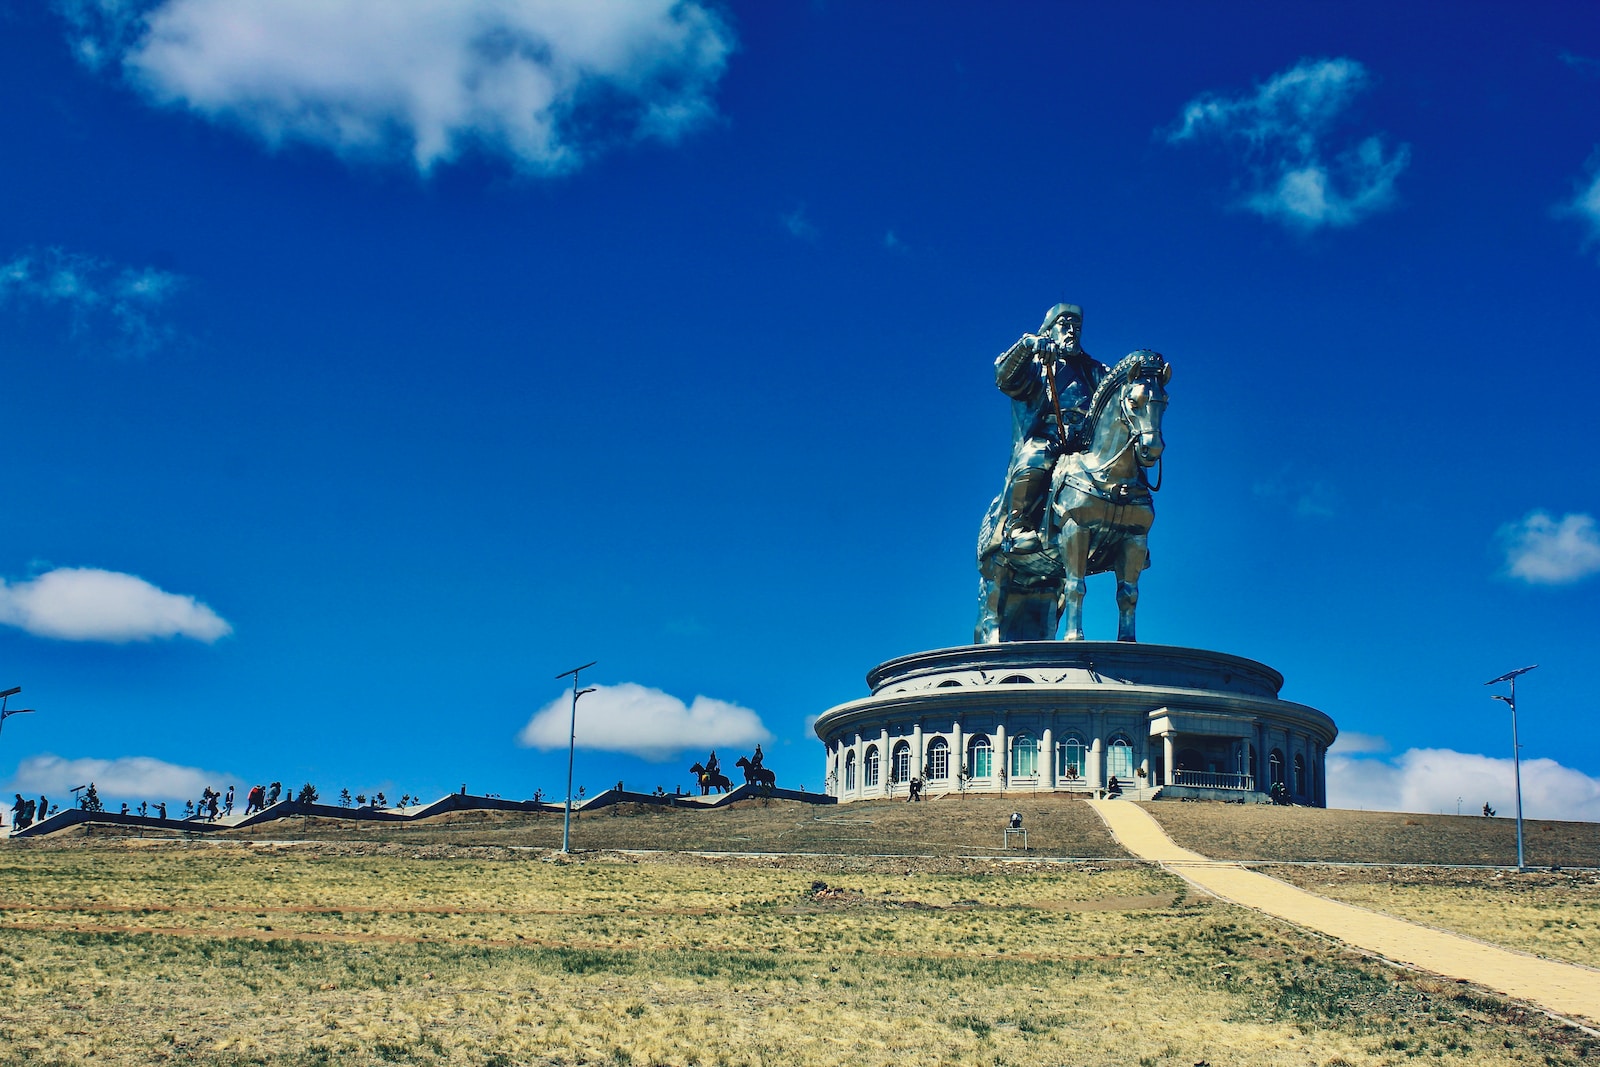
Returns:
<point x="1215" y="780"/>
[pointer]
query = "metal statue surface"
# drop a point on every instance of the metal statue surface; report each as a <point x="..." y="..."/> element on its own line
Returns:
<point x="709" y="777"/>
<point x="1077" y="500"/>
<point x="754" y="772"/>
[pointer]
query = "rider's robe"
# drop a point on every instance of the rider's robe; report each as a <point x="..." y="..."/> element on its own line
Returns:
<point x="1035" y="438"/>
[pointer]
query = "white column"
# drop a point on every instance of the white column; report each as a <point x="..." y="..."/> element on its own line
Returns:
<point x="1096" y="762"/>
<point x="883" y="762"/>
<point x="916" y="750"/>
<point x="958" y="752"/>
<point x="1002" y="763"/>
<point x="861" y="766"/>
<point x="1167" y="748"/>
<point x="1047" y="752"/>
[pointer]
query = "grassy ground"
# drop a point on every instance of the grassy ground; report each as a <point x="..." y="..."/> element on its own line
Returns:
<point x="1554" y="914"/>
<point x="361" y="952"/>
<point x="865" y="934"/>
<point x="1058" y="825"/>
<point x="1269" y="832"/>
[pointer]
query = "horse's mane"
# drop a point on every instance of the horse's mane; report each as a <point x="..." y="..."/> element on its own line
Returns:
<point x="1130" y="366"/>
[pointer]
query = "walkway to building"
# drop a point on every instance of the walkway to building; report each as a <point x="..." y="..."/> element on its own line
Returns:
<point x="1565" y="989"/>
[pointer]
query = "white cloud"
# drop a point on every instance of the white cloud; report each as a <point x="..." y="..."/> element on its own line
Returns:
<point x="1585" y="205"/>
<point x="1349" y="743"/>
<point x="1430" y="780"/>
<point x="1545" y="551"/>
<point x="543" y="82"/>
<point x="1283" y="129"/>
<point x="643" y="722"/>
<point x="94" y="292"/>
<point x="132" y="778"/>
<point x="87" y="604"/>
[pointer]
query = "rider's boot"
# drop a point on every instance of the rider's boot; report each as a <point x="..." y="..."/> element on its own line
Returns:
<point x="1028" y="490"/>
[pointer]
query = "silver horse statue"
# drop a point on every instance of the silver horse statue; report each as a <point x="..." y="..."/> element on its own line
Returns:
<point x="1097" y="519"/>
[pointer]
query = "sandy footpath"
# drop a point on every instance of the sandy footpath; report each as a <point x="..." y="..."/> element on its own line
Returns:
<point x="1563" y="988"/>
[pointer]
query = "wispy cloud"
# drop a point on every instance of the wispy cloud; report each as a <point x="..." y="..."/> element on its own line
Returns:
<point x="545" y="83"/>
<point x="1543" y="550"/>
<point x="131" y="778"/>
<point x="798" y="225"/>
<point x="1585" y="203"/>
<point x="1308" y="498"/>
<point x="643" y="722"/>
<point x="1430" y="780"/>
<point x="1586" y="65"/>
<point x="86" y="604"/>
<point x="1283" y="132"/>
<point x="98" y="297"/>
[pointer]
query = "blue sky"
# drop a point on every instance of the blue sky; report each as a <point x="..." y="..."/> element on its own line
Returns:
<point x="370" y="364"/>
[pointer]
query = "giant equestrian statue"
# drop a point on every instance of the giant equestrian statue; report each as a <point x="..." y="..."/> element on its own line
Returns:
<point x="1077" y="498"/>
<point x="1018" y="711"/>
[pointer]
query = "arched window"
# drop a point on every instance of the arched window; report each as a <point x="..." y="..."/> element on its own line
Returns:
<point x="938" y="759"/>
<point x="1299" y="775"/>
<point x="1275" y="765"/>
<point x="979" y="761"/>
<point x="900" y="763"/>
<point x="1119" y="759"/>
<point x="1071" y="759"/>
<point x="872" y="766"/>
<point x="1024" y="757"/>
<point x="850" y="771"/>
<point x="1016" y="679"/>
<point x="948" y="683"/>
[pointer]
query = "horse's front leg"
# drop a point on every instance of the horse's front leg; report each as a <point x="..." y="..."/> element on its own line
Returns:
<point x="1135" y="557"/>
<point x="1074" y="542"/>
<point x="987" y="631"/>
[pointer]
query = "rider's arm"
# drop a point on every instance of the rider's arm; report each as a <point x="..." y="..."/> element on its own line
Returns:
<point x="1013" y="372"/>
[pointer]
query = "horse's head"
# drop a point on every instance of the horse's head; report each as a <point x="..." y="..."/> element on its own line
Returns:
<point x="1143" y="402"/>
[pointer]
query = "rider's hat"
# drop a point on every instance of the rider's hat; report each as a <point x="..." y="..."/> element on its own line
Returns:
<point x="1057" y="312"/>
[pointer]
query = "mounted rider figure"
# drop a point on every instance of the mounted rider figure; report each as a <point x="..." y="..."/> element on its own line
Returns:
<point x="1050" y="380"/>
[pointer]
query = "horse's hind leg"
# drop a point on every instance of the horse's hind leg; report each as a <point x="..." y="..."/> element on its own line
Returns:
<point x="1134" y="558"/>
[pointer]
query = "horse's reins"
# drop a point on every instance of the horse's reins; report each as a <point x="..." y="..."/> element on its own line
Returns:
<point x="1091" y="472"/>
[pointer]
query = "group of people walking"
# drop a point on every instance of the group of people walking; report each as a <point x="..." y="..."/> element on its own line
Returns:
<point x="26" y="811"/>
<point x="213" y="805"/>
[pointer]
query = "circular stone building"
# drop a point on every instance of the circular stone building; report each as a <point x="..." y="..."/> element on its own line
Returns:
<point x="1067" y="716"/>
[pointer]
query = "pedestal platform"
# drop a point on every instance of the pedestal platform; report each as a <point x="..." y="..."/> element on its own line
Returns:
<point x="1069" y="716"/>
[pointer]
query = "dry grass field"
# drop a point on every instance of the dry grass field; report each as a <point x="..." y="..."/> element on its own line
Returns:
<point x="1058" y="826"/>
<point x="1554" y="914"/>
<point x="864" y="935"/>
<point x="1268" y="832"/>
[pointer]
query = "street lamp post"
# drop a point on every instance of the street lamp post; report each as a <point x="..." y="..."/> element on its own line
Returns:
<point x="572" y="743"/>
<point x="5" y="712"/>
<point x="1516" y="748"/>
